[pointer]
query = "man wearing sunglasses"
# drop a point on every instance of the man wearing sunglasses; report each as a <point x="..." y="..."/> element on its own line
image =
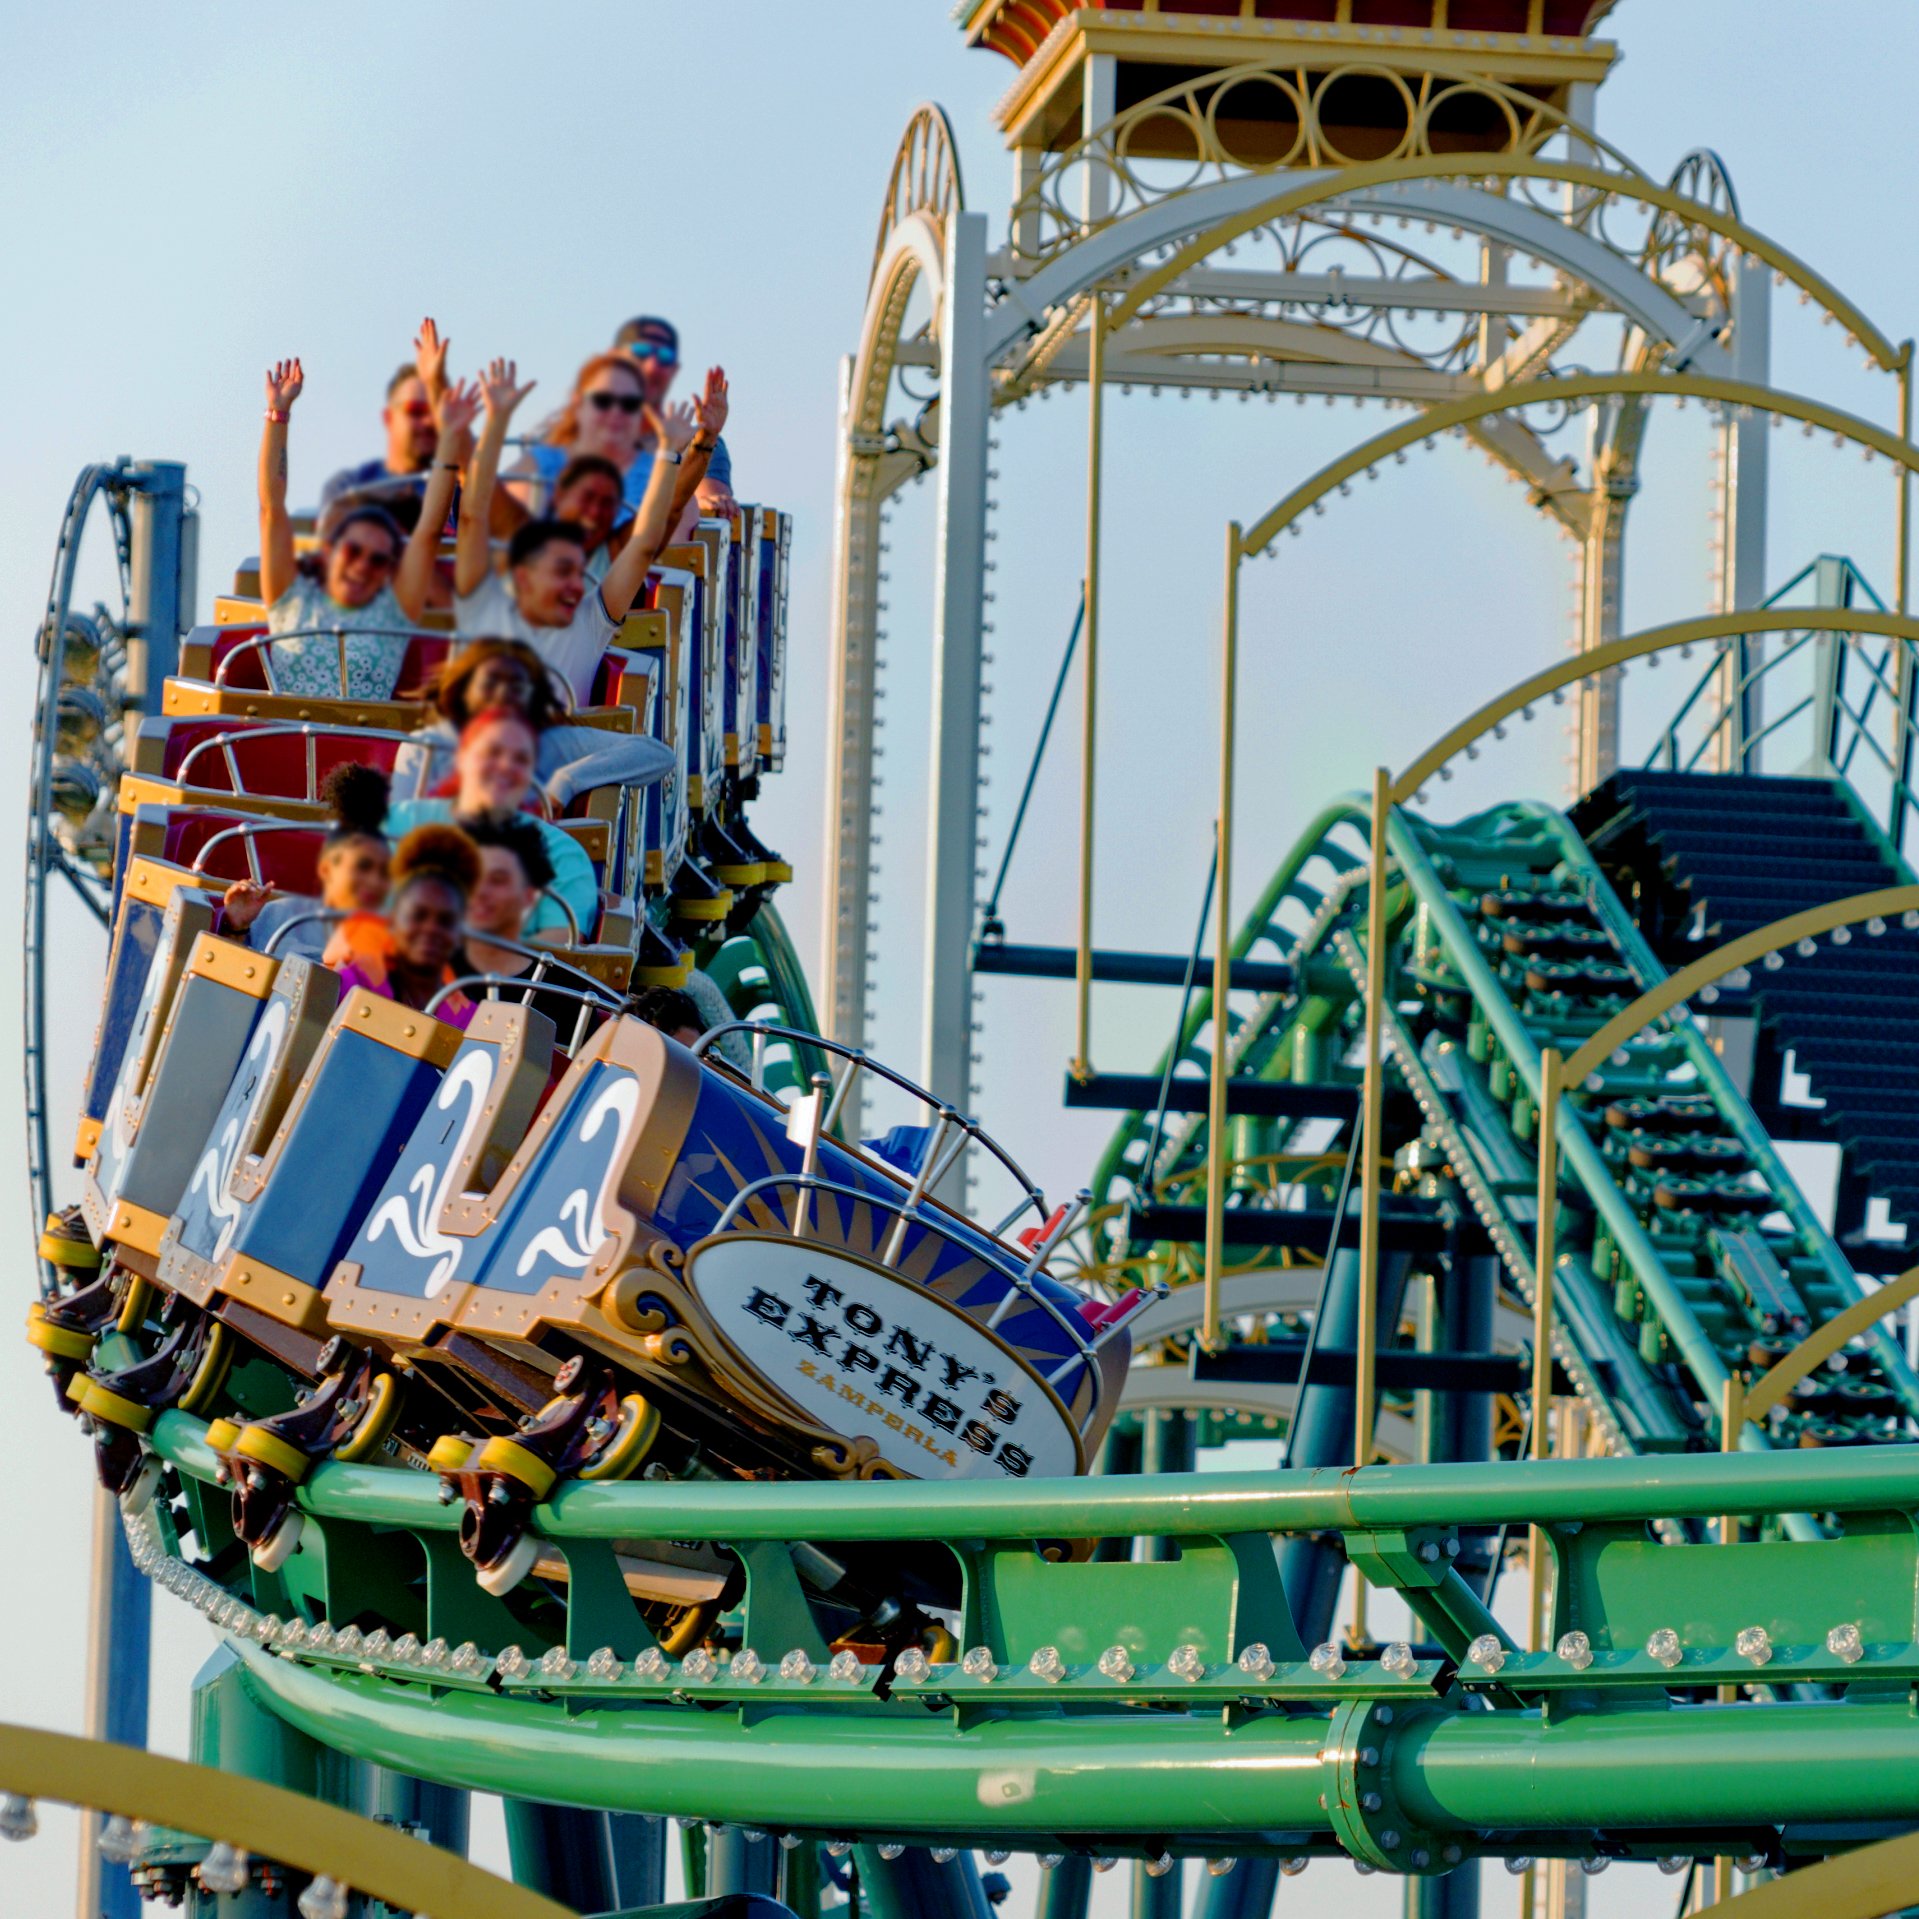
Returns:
<point x="399" y="476"/>
<point x="654" y="345"/>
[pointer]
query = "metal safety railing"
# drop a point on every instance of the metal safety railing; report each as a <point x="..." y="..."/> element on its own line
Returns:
<point x="1842" y="705"/>
<point x="340" y="635"/>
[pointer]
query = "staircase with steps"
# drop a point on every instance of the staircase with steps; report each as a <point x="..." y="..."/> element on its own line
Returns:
<point x="1848" y="1013"/>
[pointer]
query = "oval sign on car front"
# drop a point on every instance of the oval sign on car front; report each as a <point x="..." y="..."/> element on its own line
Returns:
<point x="870" y="1355"/>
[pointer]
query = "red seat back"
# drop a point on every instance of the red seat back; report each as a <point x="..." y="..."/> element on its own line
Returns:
<point x="270" y="761"/>
<point x="287" y="854"/>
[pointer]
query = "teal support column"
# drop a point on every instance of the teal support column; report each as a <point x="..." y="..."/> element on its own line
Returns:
<point x="1453" y="1896"/>
<point x="1067" y="1891"/>
<point x="1161" y="1898"/>
<point x="1244" y="1893"/>
<point x="1119" y="1453"/>
<point x="736" y="1863"/>
<point x="441" y="1815"/>
<point x="230" y="1730"/>
<point x="916" y="1886"/>
<point x="639" y="1857"/>
<point x="1166" y="1446"/>
<point x="562" y="1851"/>
<point x="800" y="1880"/>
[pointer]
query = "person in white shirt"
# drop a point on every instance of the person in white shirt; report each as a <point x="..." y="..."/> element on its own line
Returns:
<point x="545" y="597"/>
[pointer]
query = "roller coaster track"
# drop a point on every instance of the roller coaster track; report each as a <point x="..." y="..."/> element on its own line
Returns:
<point x="1763" y="1686"/>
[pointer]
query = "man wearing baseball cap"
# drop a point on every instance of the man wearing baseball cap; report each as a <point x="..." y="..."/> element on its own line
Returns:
<point x="654" y="345"/>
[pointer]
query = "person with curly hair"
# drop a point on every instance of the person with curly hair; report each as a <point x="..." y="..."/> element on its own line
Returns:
<point x="569" y="759"/>
<point x="435" y="869"/>
<point x="353" y="876"/>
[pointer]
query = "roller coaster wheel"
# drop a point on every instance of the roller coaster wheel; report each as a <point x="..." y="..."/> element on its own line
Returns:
<point x="629" y="1443"/>
<point x="376" y="1424"/>
<point x="511" y="1568"/>
<point x="276" y="1548"/>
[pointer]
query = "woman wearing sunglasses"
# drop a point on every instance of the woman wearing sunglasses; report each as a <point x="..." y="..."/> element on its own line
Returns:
<point x="606" y="416"/>
<point x="369" y="580"/>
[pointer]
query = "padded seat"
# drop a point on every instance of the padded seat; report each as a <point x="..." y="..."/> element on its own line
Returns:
<point x="280" y="853"/>
<point x="267" y="759"/>
<point x="234" y="655"/>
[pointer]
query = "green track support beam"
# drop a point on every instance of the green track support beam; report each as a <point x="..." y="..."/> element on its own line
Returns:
<point x="230" y="1730"/>
<point x="916" y="1886"/>
<point x="1247" y="1891"/>
<point x="562" y="1851"/>
<point x="1161" y="1896"/>
<point x="1066" y="1891"/>
<point x="739" y="1864"/>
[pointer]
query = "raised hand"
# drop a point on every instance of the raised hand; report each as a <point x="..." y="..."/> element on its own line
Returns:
<point x="285" y="378"/>
<point x="459" y="407"/>
<point x="429" y="356"/>
<point x="241" y="903"/>
<point x="673" y="426"/>
<point x="712" y="403"/>
<point x="500" y="385"/>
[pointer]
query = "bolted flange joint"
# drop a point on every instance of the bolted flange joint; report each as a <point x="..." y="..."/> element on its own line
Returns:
<point x="1356" y="1770"/>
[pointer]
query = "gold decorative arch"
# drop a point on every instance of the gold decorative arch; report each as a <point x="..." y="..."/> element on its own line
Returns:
<point x="269" y="1821"/>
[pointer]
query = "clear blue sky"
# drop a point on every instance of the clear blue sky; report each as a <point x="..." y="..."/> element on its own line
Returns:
<point x="188" y="192"/>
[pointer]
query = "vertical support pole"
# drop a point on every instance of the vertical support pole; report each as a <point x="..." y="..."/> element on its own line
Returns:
<point x="1216" y="1139"/>
<point x="1373" y="1100"/>
<point x="231" y="1731"/>
<point x="1746" y="455"/>
<point x="160" y="569"/>
<point x="959" y="579"/>
<point x="1602" y="588"/>
<point x="1089" y="668"/>
<point x="1023" y="230"/>
<point x="740" y="1864"/>
<point x="1906" y="681"/>
<point x="857" y="503"/>
<point x="1067" y="1891"/>
<point x="119" y="1652"/>
<point x="916" y="1886"/>
<point x="1099" y="101"/>
<point x="1544" y="1254"/>
<point x="1169" y="1442"/>
<point x="639" y="1857"/>
<point x="1247" y="1891"/>
<point x="1161" y="1898"/>
<point x="799" y="1880"/>
<point x="441" y="1815"/>
<point x="562" y="1851"/>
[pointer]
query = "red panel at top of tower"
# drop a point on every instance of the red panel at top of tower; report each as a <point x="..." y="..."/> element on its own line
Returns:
<point x="1018" y="28"/>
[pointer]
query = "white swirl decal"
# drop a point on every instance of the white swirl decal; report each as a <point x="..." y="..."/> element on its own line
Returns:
<point x="622" y="1099"/>
<point x="215" y="1170"/>
<point x="431" y="1186"/>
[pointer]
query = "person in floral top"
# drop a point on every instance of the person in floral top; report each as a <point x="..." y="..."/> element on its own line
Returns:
<point x="369" y="581"/>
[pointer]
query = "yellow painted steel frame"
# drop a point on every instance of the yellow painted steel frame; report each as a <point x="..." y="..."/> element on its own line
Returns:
<point x="1654" y="639"/>
<point x="269" y="1821"/>
<point x="1444" y="417"/>
<point x="1853" y="1885"/>
<point x="1491" y="166"/>
<point x="1887" y="902"/>
<point x="1242" y="545"/>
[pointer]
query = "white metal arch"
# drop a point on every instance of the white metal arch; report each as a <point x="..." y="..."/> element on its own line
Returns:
<point x="1094" y="261"/>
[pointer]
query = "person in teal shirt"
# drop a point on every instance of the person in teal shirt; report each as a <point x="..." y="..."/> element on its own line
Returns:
<point x="495" y="765"/>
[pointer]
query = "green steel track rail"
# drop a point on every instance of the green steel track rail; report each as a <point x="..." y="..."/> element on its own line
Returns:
<point x="1610" y="1745"/>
